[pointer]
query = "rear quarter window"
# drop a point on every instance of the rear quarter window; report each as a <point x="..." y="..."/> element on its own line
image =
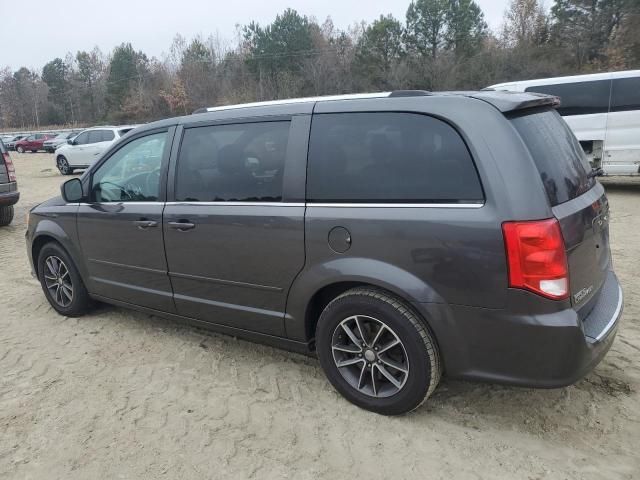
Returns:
<point x="389" y="157"/>
<point x="557" y="154"/>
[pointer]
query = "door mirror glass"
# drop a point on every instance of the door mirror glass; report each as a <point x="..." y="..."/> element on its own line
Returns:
<point x="72" y="190"/>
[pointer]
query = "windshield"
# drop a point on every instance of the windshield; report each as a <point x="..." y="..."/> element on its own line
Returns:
<point x="562" y="164"/>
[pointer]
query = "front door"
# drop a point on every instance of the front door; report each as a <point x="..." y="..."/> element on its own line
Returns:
<point x="233" y="244"/>
<point x="120" y="229"/>
<point x="77" y="155"/>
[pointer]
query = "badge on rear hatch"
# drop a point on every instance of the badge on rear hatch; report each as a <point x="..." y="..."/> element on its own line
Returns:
<point x="582" y="294"/>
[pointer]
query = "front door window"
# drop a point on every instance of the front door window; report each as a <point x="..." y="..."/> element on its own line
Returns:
<point x="132" y="174"/>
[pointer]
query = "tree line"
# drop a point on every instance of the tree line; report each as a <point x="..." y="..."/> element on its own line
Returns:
<point x="439" y="45"/>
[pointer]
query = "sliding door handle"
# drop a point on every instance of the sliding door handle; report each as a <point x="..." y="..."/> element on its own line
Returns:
<point x="181" y="226"/>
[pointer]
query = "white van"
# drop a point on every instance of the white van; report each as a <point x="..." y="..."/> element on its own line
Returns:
<point x="603" y="110"/>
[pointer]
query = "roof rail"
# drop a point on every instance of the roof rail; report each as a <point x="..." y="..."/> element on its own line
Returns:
<point x="409" y="93"/>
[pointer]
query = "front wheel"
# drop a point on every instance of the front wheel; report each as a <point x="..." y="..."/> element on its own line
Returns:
<point x="63" y="165"/>
<point x="20" y="149"/>
<point x="6" y="215"/>
<point x="61" y="281"/>
<point x="377" y="352"/>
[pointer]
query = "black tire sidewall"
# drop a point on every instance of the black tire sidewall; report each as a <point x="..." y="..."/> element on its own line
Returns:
<point x="6" y="215"/>
<point x="417" y="385"/>
<point x="81" y="299"/>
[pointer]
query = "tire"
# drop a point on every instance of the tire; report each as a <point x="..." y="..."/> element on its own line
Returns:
<point x="6" y="215"/>
<point x="63" y="165"/>
<point x="19" y="149"/>
<point x="417" y="352"/>
<point x="74" y="305"/>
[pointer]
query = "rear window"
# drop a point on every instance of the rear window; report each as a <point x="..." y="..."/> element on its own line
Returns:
<point x="579" y="98"/>
<point x="556" y="152"/>
<point x="389" y="157"/>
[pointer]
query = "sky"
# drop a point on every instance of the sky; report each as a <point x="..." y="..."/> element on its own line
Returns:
<point x="34" y="33"/>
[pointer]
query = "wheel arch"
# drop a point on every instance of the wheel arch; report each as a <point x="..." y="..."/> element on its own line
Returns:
<point x="48" y="231"/>
<point x="317" y="286"/>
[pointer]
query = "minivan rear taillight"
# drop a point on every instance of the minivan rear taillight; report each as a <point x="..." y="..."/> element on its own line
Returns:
<point x="536" y="257"/>
<point x="11" y="170"/>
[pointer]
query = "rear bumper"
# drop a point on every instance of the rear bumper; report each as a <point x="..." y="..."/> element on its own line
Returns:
<point x="544" y="350"/>
<point x="9" y="194"/>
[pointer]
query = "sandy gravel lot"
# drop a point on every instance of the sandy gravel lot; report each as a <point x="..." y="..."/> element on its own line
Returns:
<point x="119" y="394"/>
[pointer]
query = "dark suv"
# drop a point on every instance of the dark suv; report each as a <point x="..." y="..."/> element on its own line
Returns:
<point x="399" y="236"/>
<point x="9" y="195"/>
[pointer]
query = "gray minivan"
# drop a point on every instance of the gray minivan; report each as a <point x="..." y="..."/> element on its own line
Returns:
<point x="399" y="236"/>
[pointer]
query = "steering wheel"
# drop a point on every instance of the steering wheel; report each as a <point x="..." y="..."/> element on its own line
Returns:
<point x="108" y="193"/>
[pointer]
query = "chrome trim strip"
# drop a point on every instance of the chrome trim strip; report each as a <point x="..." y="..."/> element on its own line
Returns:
<point x="232" y="283"/>
<point x="119" y="203"/>
<point x="612" y="322"/>
<point x="300" y="204"/>
<point x="238" y="204"/>
<point x="397" y="205"/>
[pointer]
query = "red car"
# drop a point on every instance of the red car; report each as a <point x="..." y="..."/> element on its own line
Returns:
<point x="32" y="142"/>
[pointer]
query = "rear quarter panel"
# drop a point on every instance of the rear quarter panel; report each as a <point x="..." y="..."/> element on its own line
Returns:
<point x="428" y="255"/>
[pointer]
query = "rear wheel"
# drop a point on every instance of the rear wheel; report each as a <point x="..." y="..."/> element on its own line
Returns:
<point x="61" y="281"/>
<point x="63" y="165"/>
<point x="19" y="149"/>
<point x="377" y="352"/>
<point x="6" y="215"/>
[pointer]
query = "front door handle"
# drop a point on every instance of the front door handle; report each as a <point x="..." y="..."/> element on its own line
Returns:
<point x="144" y="224"/>
<point x="181" y="226"/>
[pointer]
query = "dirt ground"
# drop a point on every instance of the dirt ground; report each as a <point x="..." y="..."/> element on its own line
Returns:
<point x="119" y="394"/>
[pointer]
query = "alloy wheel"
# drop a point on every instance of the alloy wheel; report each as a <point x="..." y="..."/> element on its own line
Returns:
<point x="370" y="356"/>
<point x="58" y="281"/>
<point x="63" y="165"/>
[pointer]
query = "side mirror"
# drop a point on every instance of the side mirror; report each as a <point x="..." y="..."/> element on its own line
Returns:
<point x="72" y="191"/>
<point x="70" y="141"/>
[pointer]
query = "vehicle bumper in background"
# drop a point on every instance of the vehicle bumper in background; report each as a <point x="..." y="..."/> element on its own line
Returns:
<point x="9" y="194"/>
<point x="545" y="350"/>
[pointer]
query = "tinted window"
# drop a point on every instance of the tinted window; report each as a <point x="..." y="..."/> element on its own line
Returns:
<point x="579" y="98"/>
<point x="95" y="136"/>
<point x="625" y="94"/>
<point x="82" y="139"/>
<point x="556" y="152"/>
<point x="131" y="174"/>
<point x="388" y="157"/>
<point x="107" y="135"/>
<point x="242" y="162"/>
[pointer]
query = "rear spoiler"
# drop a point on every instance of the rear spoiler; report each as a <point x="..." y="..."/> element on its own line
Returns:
<point x="511" y="101"/>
